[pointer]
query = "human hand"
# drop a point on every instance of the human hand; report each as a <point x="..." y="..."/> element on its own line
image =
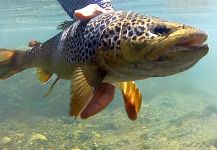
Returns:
<point x="90" y="11"/>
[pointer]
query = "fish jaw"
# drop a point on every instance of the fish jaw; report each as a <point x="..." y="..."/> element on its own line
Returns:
<point x="169" y="53"/>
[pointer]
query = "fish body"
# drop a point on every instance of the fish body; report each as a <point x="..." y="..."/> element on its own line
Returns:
<point x="117" y="43"/>
<point x="111" y="48"/>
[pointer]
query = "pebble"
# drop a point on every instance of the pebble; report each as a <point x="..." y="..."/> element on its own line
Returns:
<point x="97" y="135"/>
<point x="5" y="140"/>
<point x="35" y="137"/>
<point x="212" y="148"/>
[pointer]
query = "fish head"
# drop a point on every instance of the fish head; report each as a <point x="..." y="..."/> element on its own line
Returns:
<point x="152" y="47"/>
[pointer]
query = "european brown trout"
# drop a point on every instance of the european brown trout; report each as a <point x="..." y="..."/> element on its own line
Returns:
<point x="115" y="48"/>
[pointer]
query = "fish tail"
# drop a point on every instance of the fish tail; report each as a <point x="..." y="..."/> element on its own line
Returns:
<point x="12" y="62"/>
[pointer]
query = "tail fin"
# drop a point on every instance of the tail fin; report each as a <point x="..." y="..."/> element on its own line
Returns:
<point x="11" y="62"/>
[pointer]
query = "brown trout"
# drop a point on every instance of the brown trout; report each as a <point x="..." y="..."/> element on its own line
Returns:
<point x="115" y="48"/>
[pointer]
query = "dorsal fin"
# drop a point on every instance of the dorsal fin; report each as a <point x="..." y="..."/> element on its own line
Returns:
<point x="65" y="24"/>
<point x="71" y="5"/>
<point x="51" y="87"/>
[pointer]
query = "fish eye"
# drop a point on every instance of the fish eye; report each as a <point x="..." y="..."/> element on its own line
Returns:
<point x="161" y="30"/>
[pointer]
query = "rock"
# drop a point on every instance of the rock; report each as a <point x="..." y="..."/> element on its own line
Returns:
<point x="95" y="144"/>
<point x="35" y="137"/>
<point x="5" y="140"/>
<point x="212" y="148"/>
<point x="19" y="142"/>
<point x="97" y="135"/>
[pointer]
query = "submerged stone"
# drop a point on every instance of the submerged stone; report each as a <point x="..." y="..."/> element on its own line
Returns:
<point x="36" y="137"/>
<point x="6" y="140"/>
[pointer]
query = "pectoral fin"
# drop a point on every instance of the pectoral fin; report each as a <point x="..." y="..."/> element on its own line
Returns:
<point x="85" y="81"/>
<point x="132" y="98"/>
<point x="43" y="75"/>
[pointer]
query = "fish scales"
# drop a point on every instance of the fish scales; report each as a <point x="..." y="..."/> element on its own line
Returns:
<point x="79" y="42"/>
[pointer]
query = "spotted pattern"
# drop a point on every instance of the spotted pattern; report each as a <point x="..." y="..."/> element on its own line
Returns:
<point x="128" y="26"/>
<point x="80" y="42"/>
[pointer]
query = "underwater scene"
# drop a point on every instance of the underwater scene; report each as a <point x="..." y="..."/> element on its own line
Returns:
<point x="178" y="112"/>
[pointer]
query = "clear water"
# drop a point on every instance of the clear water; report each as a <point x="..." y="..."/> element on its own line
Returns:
<point x="178" y="112"/>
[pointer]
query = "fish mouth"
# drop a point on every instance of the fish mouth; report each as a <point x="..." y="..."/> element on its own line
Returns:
<point x="187" y="44"/>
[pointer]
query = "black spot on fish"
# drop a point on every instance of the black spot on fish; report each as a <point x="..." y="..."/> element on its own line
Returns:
<point x="129" y="27"/>
<point x="118" y="29"/>
<point x="115" y="38"/>
<point x="133" y="20"/>
<point x="111" y="32"/>
<point x="102" y="27"/>
<point x="118" y="42"/>
<point x="124" y="31"/>
<point x="130" y="33"/>
<point x="90" y="53"/>
<point x="113" y="18"/>
<point x="94" y="52"/>
<point x="89" y="45"/>
<point x="104" y="44"/>
<point x="94" y="42"/>
<point x="139" y="32"/>
<point x="141" y="28"/>
<point x="102" y="22"/>
<point x="134" y="38"/>
<point x="106" y="36"/>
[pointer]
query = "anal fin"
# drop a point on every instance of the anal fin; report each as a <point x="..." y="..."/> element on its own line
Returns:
<point x="51" y="87"/>
<point x="132" y="98"/>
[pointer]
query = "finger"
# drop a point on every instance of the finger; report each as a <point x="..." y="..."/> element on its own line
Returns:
<point x="88" y="12"/>
<point x="104" y="95"/>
